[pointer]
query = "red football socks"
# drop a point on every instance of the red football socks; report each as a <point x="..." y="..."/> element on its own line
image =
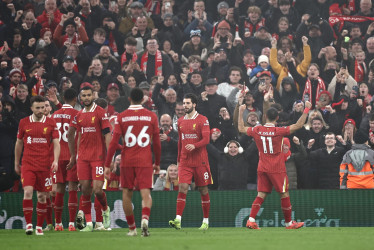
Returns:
<point x="205" y="204"/>
<point x="41" y="211"/>
<point x="27" y="210"/>
<point x="256" y="205"/>
<point x="49" y="211"/>
<point x="73" y="205"/>
<point x="286" y="208"/>
<point x="98" y="211"/>
<point x="59" y="205"/>
<point x="103" y="202"/>
<point x="181" y="203"/>
<point x="146" y="212"/>
<point x="131" y="221"/>
<point x="86" y="207"/>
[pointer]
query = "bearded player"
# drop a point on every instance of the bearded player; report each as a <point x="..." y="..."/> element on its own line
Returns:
<point x="194" y="135"/>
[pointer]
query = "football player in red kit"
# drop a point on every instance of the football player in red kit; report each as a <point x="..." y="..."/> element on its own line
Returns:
<point x="139" y="129"/>
<point x="63" y="118"/>
<point x="194" y="135"/>
<point x="93" y="127"/>
<point x="271" y="170"/>
<point x="35" y="135"/>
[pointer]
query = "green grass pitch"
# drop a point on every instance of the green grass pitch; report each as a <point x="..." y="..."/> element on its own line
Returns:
<point x="191" y="238"/>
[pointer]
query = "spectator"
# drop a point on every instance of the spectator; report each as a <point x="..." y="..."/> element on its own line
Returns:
<point x="51" y="16"/>
<point x="235" y="81"/>
<point x="289" y="94"/>
<point x="99" y="39"/>
<point x="169" y="142"/>
<point x="96" y="72"/>
<point x="165" y="101"/>
<point x="74" y="31"/>
<point x="179" y="112"/>
<point x="356" y="169"/>
<point x="112" y="94"/>
<point x="167" y="181"/>
<point x="110" y="63"/>
<point x="68" y="64"/>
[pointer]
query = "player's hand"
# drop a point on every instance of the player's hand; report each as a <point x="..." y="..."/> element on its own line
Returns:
<point x="156" y="169"/>
<point x="17" y="169"/>
<point x="107" y="173"/>
<point x="71" y="163"/>
<point x="54" y="166"/>
<point x="308" y="104"/>
<point x="190" y="147"/>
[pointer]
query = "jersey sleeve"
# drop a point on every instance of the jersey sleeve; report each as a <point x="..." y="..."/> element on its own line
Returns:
<point x="179" y="141"/>
<point x="55" y="132"/>
<point x="205" y="133"/>
<point x="156" y="140"/>
<point x="104" y="120"/>
<point x="250" y="131"/>
<point x="117" y="126"/>
<point x="74" y="122"/>
<point x="21" y="131"/>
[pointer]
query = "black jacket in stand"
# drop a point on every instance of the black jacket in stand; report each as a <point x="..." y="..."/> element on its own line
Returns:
<point x="169" y="150"/>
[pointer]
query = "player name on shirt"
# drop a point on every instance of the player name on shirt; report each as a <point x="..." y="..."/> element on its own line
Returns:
<point x="265" y="133"/>
<point x="136" y="118"/>
<point x="61" y="116"/>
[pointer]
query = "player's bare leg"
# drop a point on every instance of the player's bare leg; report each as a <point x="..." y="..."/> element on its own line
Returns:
<point x="28" y="208"/>
<point x="101" y="197"/>
<point x="72" y="203"/>
<point x="287" y="211"/>
<point x="85" y="207"/>
<point x="129" y="212"/>
<point x="256" y="205"/>
<point x="41" y="211"/>
<point x="205" y="204"/>
<point x="59" y="205"/>
<point x="146" y="211"/>
<point x="181" y="203"/>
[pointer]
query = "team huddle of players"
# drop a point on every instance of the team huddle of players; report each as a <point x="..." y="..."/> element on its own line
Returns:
<point x="71" y="147"/>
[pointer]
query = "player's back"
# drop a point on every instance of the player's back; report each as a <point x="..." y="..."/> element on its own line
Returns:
<point x="63" y="117"/>
<point x="138" y="126"/>
<point x="269" y="141"/>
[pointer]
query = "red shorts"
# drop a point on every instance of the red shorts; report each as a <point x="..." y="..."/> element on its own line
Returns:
<point x="90" y="170"/>
<point x="40" y="180"/>
<point x="266" y="182"/>
<point x="63" y="175"/>
<point x="201" y="175"/>
<point x="143" y="177"/>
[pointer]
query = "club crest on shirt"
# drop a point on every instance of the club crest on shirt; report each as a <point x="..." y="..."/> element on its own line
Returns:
<point x="45" y="130"/>
<point x="194" y="126"/>
<point x="93" y="119"/>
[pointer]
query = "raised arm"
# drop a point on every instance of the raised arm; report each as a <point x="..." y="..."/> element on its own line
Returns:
<point x="300" y="123"/>
<point x="241" y="127"/>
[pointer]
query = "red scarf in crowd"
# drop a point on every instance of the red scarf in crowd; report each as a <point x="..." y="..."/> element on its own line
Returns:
<point x="153" y="6"/>
<point x="158" y="63"/>
<point x="124" y="58"/>
<point x="308" y="89"/>
<point x="276" y="36"/>
<point x="248" y="26"/>
<point x="360" y="71"/>
<point x="340" y="20"/>
<point x="250" y="66"/>
<point x="38" y="88"/>
<point x="23" y="76"/>
<point x="113" y="44"/>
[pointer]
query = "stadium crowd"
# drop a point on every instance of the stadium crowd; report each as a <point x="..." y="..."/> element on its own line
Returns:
<point x="261" y="53"/>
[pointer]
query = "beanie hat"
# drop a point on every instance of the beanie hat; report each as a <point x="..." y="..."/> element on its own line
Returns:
<point x="361" y="137"/>
<point x="263" y="58"/>
<point x="223" y="24"/>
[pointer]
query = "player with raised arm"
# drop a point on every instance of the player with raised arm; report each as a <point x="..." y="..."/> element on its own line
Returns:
<point x="139" y="129"/>
<point x="35" y="135"/>
<point x="194" y="135"/>
<point x="93" y="127"/>
<point x="63" y="118"/>
<point x="271" y="170"/>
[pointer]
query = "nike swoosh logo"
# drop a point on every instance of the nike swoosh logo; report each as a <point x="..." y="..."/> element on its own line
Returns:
<point x="27" y="130"/>
<point x="98" y="176"/>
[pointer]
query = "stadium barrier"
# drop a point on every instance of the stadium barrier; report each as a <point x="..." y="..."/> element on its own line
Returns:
<point x="317" y="208"/>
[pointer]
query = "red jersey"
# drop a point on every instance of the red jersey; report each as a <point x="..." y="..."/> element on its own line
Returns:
<point x="90" y="124"/>
<point x="194" y="131"/>
<point x="37" y="139"/>
<point x="63" y="118"/>
<point x="139" y="128"/>
<point x="269" y="141"/>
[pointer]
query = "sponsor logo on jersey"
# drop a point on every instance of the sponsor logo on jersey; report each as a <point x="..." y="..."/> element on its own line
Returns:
<point x="31" y="140"/>
<point x="189" y="136"/>
<point x="89" y="129"/>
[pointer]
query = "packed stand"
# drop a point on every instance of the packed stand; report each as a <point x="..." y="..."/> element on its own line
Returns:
<point x="227" y="53"/>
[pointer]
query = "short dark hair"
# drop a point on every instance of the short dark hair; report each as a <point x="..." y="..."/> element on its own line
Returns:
<point x="70" y="94"/>
<point x="191" y="96"/>
<point x="272" y="114"/>
<point x="131" y="41"/>
<point x="99" y="31"/>
<point x="37" y="98"/>
<point x="317" y="118"/>
<point x="329" y="133"/>
<point x="136" y="95"/>
<point x="236" y="68"/>
<point x="86" y="88"/>
<point x="101" y="102"/>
